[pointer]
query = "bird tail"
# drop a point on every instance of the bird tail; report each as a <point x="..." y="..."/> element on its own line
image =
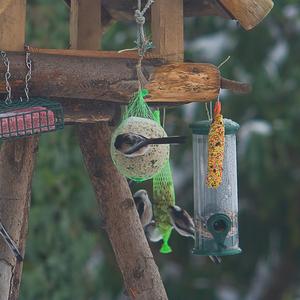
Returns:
<point x="10" y="243"/>
<point x="168" y="140"/>
<point x="215" y="259"/>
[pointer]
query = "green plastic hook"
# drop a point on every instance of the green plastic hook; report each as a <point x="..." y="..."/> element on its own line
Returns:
<point x="219" y="225"/>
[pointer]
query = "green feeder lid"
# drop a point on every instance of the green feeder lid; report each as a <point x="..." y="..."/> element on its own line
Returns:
<point x="202" y="127"/>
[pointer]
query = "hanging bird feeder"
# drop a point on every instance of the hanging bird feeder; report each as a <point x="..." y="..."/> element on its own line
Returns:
<point x="142" y="167"/>
<point x="26" y="117"/>
<point x="216" y="207"/>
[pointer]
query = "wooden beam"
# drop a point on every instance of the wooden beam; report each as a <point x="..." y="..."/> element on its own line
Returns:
<point x="87" y="112"/>
<point x="140" y="273"/>
<point x="85" y="20"/>
<point x="121" y="10"/>
<point x="17" y="160"/>
<point x="141" y="276"/>
<point x="249" y="13"/>
<point x="111" y="77"/>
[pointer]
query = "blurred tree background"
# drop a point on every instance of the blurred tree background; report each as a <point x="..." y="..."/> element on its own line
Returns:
<point x="68" y="255"/>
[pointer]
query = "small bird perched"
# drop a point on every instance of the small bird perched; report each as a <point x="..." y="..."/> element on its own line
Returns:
<point x="152" y="232"/>
<point x="184" y="225"/>
<point x="10" y="243"/>
<point x="143" y="206"/>
<point x="132" y="145"/>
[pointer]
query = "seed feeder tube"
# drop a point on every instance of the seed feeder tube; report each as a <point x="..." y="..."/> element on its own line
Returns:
<point x="215" y="209"/>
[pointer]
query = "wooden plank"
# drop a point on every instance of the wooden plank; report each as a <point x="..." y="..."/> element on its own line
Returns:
<point x="111" y="80"/>
<point x="141" y="276"/>
<point x="17" y="160"/>
<point x="85" y="21"/>
<point x="121" y="10"/>
<point x="88" y="112"/>
<point x="249" y="13"/>
<point x="184" y="82"/>
<point x="167" y="29"/>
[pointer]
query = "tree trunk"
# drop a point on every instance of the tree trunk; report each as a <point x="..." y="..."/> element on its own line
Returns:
<point x="141" y="276"/>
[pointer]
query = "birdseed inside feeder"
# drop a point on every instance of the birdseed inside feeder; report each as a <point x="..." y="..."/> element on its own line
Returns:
<point x="142" y="167"/>
<point x="215" y="209"/>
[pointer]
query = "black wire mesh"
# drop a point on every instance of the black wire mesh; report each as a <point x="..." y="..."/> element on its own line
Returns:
<point x="25" y="118"/>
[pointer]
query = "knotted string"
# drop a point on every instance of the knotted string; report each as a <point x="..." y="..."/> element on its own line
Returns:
<point x="142" y="42"/>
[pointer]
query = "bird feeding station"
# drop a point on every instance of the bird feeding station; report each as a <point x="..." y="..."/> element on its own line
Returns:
<point x="215" y="209"/>
<point x="91" y="86"/>
<point x="25" y="116"/>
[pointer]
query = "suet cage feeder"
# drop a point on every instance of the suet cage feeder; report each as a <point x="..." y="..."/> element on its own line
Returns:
<point x="21" y="118"/>
<point x="142" y="167"/>
<point x="215" y="209"/>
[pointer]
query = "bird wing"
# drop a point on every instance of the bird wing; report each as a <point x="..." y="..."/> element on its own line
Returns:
<point x="185" y="224"/>
<point x="140" y="205"/>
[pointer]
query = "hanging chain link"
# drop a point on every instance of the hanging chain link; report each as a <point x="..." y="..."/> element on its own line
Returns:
<point x="7" y="76"/>
<point x="28" y="75"/>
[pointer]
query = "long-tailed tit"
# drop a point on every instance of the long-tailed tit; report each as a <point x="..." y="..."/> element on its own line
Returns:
<point x="10" y="243"/>
<point x="185" y="226"/>
<point x="132" y="145"/>
<point x="143" y="206"/>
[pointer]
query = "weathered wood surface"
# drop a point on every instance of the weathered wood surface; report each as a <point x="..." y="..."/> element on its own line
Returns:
<point x="110" y="77"/>
<point x="85" y="20"/>
<point x="249" y="13"/>
<point x="121" y="10"/>
<point x="167" y="29"/>
<point x="4" y="4"/>
<point x="141" y="276"/>
<point x="87" y="112"/>
<point x="195" y="79"/>
<point x="17" y="160"/>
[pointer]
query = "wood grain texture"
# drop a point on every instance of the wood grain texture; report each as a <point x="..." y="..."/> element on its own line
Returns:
<point x="167" y="29"/>
<point x="249" y="13"/>
<point x="198" y="82"/>
<point x="4" y="4"/>
<point x="121" y="10"/>
<point x="87" y="112"/>
<point x="85" y="20"/>
<point x="17" y="160"/>
<point x="111" y="79"/>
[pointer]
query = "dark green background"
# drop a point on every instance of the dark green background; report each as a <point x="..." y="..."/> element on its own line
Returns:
<point x="68" y="256"/>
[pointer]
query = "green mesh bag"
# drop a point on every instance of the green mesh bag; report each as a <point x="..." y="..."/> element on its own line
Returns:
<point x="164" y="196"/>
<point x="139" y="119"/>
<point x="137" y="107"/>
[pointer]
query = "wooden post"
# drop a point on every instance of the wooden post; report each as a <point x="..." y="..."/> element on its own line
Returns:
<point x="17" y="161"/>
<point x="141" y="276"/>
<point x="167" y="29"/>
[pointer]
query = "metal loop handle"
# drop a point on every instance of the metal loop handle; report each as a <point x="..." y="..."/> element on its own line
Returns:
<point x="28" y="63"/>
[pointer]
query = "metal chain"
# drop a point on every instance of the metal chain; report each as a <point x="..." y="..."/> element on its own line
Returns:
<point x="7" y="76"/>
<point x="28" y="75"/>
